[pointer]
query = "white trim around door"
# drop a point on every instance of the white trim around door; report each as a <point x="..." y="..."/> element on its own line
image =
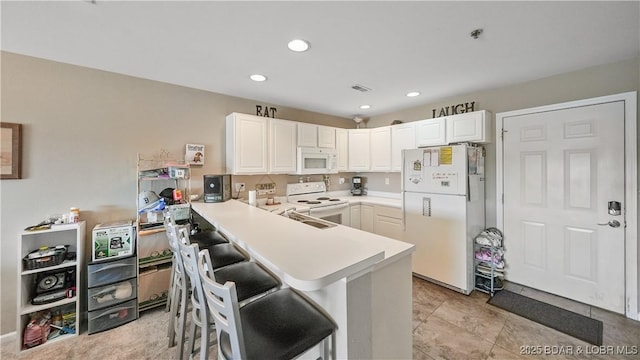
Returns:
<point x="632" y="309"/>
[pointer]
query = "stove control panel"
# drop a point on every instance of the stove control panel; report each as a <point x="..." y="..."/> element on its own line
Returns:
<point x="306" y="188"/>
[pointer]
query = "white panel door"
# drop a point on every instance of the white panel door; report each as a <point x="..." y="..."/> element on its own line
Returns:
<point x="561" y="168"/>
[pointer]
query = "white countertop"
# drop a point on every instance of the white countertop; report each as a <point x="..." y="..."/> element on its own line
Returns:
<point x="373" y="200"/>
<point x="305" y="257"/>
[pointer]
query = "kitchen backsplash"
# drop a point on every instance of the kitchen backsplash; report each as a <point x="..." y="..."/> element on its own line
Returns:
<point x="373" y="181"/>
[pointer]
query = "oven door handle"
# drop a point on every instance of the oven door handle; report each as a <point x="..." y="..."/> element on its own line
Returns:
<point x="328" y="208"/>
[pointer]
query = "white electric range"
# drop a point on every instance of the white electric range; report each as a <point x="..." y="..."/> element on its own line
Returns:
<point x="313" y="195"/>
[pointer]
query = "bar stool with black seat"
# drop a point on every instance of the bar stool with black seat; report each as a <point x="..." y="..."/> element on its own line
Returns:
<point x="203" y="239"/>
<point x="252" y="280"/>
<point x="279" y="325"/>
<point x="224" y="255"/>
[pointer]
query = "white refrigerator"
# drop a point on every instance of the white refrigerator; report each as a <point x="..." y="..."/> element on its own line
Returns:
<point x="444" y="209"/>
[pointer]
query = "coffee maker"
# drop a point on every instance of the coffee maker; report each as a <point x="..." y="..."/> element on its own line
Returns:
<point x="357" y="186"/>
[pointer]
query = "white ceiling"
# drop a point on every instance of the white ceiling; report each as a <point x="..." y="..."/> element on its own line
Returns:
<point x="391" y="47"/>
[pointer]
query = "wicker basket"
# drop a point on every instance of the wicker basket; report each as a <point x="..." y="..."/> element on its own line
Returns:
<point x="57" y="258"/>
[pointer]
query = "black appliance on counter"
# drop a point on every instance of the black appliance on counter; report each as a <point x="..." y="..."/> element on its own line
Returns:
<point x="357" y="186"/>
<point x="217" y="188"/>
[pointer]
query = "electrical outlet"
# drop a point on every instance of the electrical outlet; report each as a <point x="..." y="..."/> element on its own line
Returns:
<point x="341" y="181"/>
<point x="240" y="187"/>
<point x="386" y="181"/>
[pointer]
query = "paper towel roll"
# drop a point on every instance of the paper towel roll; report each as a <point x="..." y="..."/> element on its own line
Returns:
<point x="252" y="197"/>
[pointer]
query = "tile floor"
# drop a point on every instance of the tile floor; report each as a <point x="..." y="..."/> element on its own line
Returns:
<point x="447" y="325"/>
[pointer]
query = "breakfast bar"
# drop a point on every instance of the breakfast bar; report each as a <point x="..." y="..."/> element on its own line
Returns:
<point x="362" y="280"/>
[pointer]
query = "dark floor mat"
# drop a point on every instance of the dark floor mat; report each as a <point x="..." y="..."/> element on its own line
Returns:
<point x="570" y="323"/>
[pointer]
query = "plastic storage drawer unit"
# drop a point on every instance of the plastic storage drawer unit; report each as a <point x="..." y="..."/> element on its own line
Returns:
<point x="111" y="294"/>
<point x="115" y="316"/>
<point x="113" y="271"/>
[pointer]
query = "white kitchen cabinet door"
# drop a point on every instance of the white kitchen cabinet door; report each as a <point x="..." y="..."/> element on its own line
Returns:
<point x="359" y="150"/>
<point x="388" y="227"/>
<point x="282" y="146"/>
<point x="367" y="218"/>
<point x="431" y="132"/>
<point x="326" y="137"/>
<point x="469" y="127"/>
<point x="380" y="148"/>
<point x="307" y="135"/>
<point x="403" y="136"/>
<point x="388" y="222"/>
<point x="246" y="147"/>
<point x="355" y="216"/>
<point x="342" y="147"/>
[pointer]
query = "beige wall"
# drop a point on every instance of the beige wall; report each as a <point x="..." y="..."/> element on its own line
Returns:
<point x="83" y="129"/>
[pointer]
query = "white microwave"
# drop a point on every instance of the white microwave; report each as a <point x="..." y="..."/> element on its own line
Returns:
<point x="312" y="160"/>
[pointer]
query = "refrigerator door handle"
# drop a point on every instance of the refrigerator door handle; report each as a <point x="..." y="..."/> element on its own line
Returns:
<point x="404" y="211"/>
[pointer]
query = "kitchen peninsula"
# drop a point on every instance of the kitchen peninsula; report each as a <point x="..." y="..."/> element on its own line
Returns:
<point x="362" y="280"/>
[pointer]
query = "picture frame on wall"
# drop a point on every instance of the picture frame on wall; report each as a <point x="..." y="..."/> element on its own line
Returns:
<point x="10" y="151"/>
<point x="194" y="154"/>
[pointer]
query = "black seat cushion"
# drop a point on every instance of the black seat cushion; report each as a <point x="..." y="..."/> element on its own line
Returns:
<point x="224" y="254"/>
<point x="280" y="325"/>
<point x="249" y="277"/>
<point x="208" y="238"/>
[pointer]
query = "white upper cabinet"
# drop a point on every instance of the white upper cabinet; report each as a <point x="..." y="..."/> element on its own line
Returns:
<point x="326" y="137"/>
<point x="342" y="147"/>
<point x="469" y="127"/>
<point x="258" y="145"/>
<point x="282" y="146"/>
<point x="307" y="135"/>
<point x="246" y="137"/>
<point x="359" y="149"/>
<point x="402" y="137"/>
<point x="311" y="135"/>
<point x="431" y="132"/>
<point x="380" y="145"/>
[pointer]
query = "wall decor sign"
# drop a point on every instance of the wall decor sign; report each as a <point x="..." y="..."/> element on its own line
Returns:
<point x="454" y="109"/>
<point x="266" y="111"/>
<point x="194" y="154"/>
<point x="10" y="151"/>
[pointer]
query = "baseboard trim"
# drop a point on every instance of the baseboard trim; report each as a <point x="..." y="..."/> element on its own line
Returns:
<point x="8" y="336"/>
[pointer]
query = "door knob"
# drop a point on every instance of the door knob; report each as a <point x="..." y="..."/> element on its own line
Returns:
<point x="612" y="223"/>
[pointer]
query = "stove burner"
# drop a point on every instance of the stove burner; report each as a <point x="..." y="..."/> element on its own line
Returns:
<point x="323" y="198"/>
<point x="313" y="202"/>
<point x="303" y="201"/>
<point x="334" y="199"/>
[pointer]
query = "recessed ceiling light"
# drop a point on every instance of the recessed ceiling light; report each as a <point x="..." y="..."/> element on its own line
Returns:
<point x="298" y="45"/>
<point x="364" y="107"/>
<point x="413" y="93"/>
<point x="258" y="77"/>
